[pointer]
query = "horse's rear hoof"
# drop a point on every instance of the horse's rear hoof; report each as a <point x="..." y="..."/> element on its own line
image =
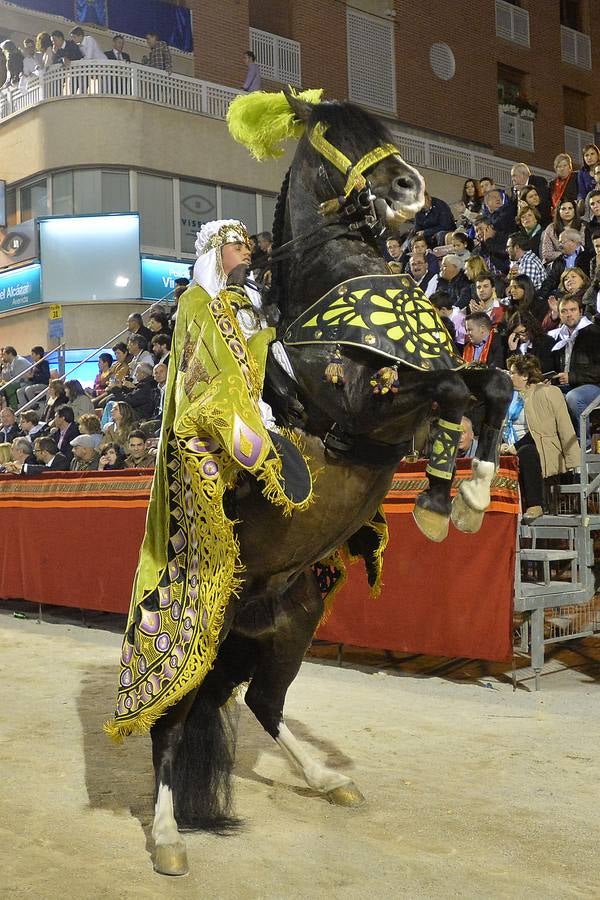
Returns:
<point x="434" y="525"/>
<point x="170" y="859"/>
<point x="346" y="795"/>
<point x="464" y="517"/>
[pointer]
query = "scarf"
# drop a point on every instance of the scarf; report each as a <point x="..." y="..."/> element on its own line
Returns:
<point x="514" y="411"/>
<point x="563" y="336"/>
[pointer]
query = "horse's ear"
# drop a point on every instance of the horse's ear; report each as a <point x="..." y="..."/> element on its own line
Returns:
<point x="301" y="109"/>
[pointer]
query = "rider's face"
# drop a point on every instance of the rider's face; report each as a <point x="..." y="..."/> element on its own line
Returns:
<point x="233" y="255"/>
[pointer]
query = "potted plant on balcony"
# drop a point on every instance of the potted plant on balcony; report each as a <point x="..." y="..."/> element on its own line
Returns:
<point x="526" y="109"/>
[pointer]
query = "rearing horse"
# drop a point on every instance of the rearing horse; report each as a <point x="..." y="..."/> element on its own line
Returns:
<point x="347" y="178"/>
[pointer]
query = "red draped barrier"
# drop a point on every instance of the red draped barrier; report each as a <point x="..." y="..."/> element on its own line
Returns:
<point x="72" y="539"/>
<point x="450" y="599"/>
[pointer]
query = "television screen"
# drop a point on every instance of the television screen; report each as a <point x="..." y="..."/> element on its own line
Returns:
<point x="90" y="258"/>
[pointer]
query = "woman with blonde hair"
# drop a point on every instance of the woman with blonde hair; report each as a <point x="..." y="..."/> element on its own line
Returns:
<point x="43" y="47"/>
<point x="89" y="423"/>
<point x="5" y="454"/>
<point x="55" y="397"/>
<point x="122" y="422"/>
<point x="539" y="430"/>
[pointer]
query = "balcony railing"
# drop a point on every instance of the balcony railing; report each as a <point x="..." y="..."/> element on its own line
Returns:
<point x="515" y="131"/>
<point x="575" y="140"/>
<point x="512" y="23"/>
<point x="278" y="57"/>
<point x="575" y="48"/>
<point x="123" y="80"/>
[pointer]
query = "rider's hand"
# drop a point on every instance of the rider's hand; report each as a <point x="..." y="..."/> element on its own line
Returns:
<point x="238" y="276"/>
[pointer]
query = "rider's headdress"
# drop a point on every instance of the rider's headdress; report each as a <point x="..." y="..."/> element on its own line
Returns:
<point x="208" y="269"/>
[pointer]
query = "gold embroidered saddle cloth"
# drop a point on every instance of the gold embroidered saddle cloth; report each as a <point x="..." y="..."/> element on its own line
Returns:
<point x="386" y="314"/>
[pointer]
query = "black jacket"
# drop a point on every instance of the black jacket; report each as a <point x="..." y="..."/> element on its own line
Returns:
<point x="459" y="289"/>
<point x="110" y="54"/>
<point x="58" y="464"/>
<point x="584" y="367"/>
<point x="9" y="434"/>
<point x="70" y="50"/>
<point x="64" y="443"/>
<point x="437" y="218"/>
<point x="494" y="253"/>
<point x="143" y="400"/>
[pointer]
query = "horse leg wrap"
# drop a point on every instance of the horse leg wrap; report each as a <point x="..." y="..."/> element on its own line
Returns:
<point x="473" y="497"/>
<point x="444" y="447"/>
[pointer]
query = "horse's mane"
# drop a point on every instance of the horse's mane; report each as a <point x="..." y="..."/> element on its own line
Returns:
<point x="351" y="118"/>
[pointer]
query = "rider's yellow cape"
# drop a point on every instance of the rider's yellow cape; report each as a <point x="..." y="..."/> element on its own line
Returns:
<point x="189" y="565"/>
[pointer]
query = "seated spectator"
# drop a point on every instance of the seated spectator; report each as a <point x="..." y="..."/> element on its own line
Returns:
<point x="573" y="255"/>
<point x="591" y="299"/>
<point x="523" y="259"/>
<point x="65" y="430"/>
<point x="159" y="374"/>
<point x="142" y="399"/>
<point x="576" y="354"/>
<point x="593" y="223"/>
<point x="587" y="212"/>
<point x="9" y="429"/>
<point x="55" y="397"/>
<point x="538" y="430"/>
<point x="394" y="249"/>
<point x="585" y="180"/>
<point x="139" y="456"/>
<point x="500" y="212"/>
<point x="564" y="186"/>
<point x="434" y="220"/>
<point x="564" y="217"/>
<point x="50" y="457"/>
<point x="525" y="336"/>
<point x="158" y="323"/>
<point x="118" y="53"/>
<point x="484" y="345"/>
<point x="470" y="203"/>
<point x="467" y="443"/>
<point x="118" y="373"/>
<point x="418" y="244"/>
<point x="89" y="424"/>
<point x="522" y="178"/>
<point x="21" y="451"/>
<point x="442" y="302"/>
<point x="161" y="348"/>
<point x="461" y="245"/>
<point x="160" y="55"/>
<point x="36" y="380"/>
<point x="138" y="349"/>
<point x="453" y="279"/>
<point x="491" y="246"/>
<point x="487" y="302"/>
<point x="31" y="426"/>
<point x="122" y="421"/>
<point x="105" y="362"/>
<point x="417" y="269"/>
<point x="113" y="457"/>
<point x="136" y="326"/>
<point x="78" y="400"/>
<point x="85" y="455"/>
<point x="13" y="366"/>
<point x="530" y="196"/>
<point x="573" y="284"/>
<point x="523" y="297"/>
<point x="528" y="220"/>
<point x="5" y="456"/>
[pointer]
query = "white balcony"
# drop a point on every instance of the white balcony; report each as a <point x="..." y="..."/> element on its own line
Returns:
<point x="516" y="131"/>
<point x="122" y="80"/>
<point x="512" y="23"/>
<point x="575" y="48"/>
<point x="278" y="57"/>
<point x="575" y="141"/>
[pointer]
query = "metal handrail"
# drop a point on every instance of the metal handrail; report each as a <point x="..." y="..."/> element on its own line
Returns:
<point x="583" y="472"/>
<point x="91" y="355"/>
<point x="18" y="377"/>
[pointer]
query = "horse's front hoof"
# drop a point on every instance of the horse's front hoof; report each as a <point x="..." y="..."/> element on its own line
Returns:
<point x="434" y="525"/>
<point x="464" y="517"/>
<point x="346" y="795"/>
<point x="170" y="859"/>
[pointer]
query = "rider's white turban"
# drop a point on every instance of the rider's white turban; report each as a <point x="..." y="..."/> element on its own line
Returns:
<point x="208" y="269"/>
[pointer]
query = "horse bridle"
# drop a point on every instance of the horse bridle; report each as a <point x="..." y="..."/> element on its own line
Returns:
<point x="355" y="214"/>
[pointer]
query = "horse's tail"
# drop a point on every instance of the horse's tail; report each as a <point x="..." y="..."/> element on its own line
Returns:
<point x="202" y="772"/>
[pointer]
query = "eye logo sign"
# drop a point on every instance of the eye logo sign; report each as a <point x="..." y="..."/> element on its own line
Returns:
<point x="198" y="205"/>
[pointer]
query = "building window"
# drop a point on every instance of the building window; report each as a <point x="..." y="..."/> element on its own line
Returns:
<point x="197" y="205"/>
<point x="62" y="194"/>
<point x="11" y="206"/>
<point x="115" y="191"/>
<point x="571" y="14"/>
<point x="512" y="23"/>
<point x="268" y="212"/>
<point x="155" y="201"/>
<point x="34" y="200"/>
<point x="371" y="70"/>
<point x="239" y="205"/>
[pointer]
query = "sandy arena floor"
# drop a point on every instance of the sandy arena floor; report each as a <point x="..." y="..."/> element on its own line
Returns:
<point x="473" y="791"/>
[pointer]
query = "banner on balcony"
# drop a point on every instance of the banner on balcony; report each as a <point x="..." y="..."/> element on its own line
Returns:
<point x="94" y="12"/>
<point x="172" y="24"/>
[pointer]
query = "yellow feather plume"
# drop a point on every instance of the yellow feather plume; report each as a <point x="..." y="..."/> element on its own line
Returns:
<point x="261" y="121"/>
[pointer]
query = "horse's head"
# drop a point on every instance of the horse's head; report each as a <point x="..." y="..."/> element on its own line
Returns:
<point x="343" y="147"/>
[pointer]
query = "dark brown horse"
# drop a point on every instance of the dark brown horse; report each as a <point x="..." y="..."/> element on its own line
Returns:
<point x="353" y="437"/>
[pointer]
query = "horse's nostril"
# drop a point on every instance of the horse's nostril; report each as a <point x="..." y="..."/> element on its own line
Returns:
<point x="405" y="184"/>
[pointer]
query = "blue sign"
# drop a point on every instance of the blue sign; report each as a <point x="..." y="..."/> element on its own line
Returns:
<point x="158" y="277"/>
<point x="20" y="287"/>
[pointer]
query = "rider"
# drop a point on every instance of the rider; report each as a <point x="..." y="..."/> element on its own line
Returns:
<point x="215" y="425"/>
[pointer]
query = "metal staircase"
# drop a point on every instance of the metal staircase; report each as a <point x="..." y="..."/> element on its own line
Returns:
<point x="555" y="583"/>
